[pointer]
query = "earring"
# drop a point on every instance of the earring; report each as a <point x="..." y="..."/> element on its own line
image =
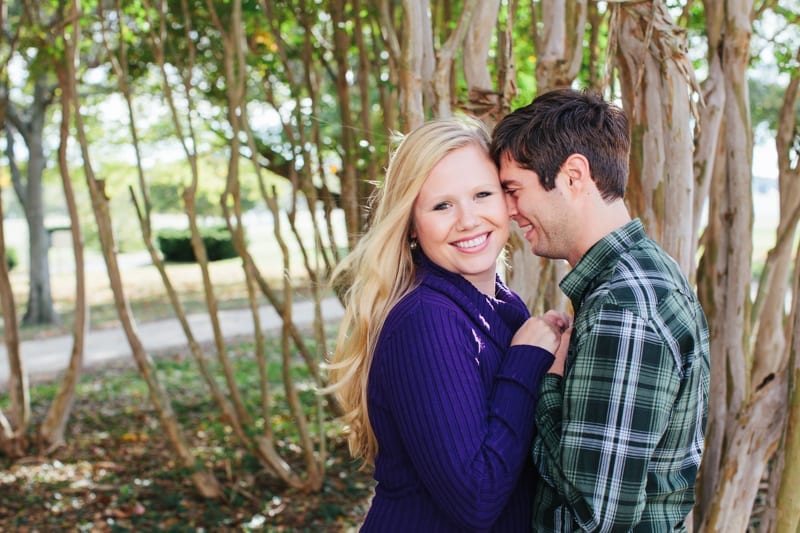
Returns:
<point x="413" y="244"/>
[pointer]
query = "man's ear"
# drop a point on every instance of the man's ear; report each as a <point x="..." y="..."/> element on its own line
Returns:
<point x="576" y="170"/>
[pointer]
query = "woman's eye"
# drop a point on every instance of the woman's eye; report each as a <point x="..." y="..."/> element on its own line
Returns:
<point x="441" y="206"/>
<point x="484" y="194"/>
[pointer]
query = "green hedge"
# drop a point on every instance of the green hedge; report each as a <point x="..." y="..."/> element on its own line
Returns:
<point x="176" y="244"/>
<point x="11" y="258"/>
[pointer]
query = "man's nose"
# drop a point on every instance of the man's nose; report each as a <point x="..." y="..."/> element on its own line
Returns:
<point x="511" y="205"/>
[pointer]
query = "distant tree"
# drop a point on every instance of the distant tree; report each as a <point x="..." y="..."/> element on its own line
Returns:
<point x="26" y="121"/>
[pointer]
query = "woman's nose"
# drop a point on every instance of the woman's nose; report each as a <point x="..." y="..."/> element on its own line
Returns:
<point x="468" y="218"/>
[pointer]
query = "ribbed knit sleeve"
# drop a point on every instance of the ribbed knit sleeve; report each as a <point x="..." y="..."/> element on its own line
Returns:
<point x="468" y="452"/>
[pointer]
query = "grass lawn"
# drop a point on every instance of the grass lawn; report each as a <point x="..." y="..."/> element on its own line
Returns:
<point x="116" y="472"/>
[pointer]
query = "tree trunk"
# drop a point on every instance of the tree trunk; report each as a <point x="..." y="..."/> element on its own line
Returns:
<point x="235" y="83"/>
<point x="51" y="432"/>
<point x="203" y="480"/>
<point x="442" y="76"/>
<point x="752" y="442"/>
<point x="725" y="294"/>
<point x="40" y="308"/>
<point x="769" y="311"/>
<point x="788" y="500"/>
<point x="412" y="113"/>
<point x="486" y="100"/>
<point x="14" y="427"/>
<point x="477" y="44"/>
<point x="709" y="171"/>
<point x="774" y="332"/>
<point x="707" y="138"/>
<point x="561" y="46"/>
<point x="351" y="203"/>
<point x="299" y="142"/>
<point x="656" y="79"/>
<point x="594" y="20"/>
<point x="314" y="468"/>
<point x="712" y="300"/>
<point x="143" y="214"/>
<point x="369" y="71"/>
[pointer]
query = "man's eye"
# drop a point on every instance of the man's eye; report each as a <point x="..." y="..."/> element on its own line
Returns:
<point x="511" y="192"/>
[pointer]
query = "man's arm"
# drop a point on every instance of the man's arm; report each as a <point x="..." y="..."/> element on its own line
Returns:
<point x="597" y="439"/>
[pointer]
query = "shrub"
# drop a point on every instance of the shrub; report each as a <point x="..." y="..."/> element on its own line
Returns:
<point x="11" y="258"/>
<point x="176" y="244"/>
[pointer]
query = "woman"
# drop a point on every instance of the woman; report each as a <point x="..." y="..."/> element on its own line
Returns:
<point x="434" y="395"/>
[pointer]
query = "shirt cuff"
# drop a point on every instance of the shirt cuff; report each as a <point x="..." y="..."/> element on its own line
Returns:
<point x="526" y="365"/>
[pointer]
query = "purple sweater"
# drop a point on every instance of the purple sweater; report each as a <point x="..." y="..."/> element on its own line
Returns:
<point x="452" y="407"/>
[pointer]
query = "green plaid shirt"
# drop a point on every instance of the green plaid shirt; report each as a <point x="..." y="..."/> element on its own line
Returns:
<point x="620" y="436"/>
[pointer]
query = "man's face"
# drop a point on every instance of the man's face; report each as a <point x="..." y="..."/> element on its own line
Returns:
<point x="543" y="216"/>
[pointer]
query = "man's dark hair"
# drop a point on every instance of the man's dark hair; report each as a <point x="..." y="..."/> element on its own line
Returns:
<point x="541" y="135"/>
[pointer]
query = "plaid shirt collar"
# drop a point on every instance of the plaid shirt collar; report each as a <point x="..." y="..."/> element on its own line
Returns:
<point x="590" y="270"/>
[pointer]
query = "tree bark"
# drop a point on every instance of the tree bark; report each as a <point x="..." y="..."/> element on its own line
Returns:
<point x="769" y="309"/>
<point x="707" y="138"/>
<point x="656" y="78"/>
<point x="442" y="76"/>
<point x="752" y="442"/>
<point x="40" y="308"/>
<point x="203" y="480"/>
<point x="788" y="500"/>
<point x="560" y="49"/>
<point x="486" y="98"/>
<point x="725" y="294"/>
<point x="709" y="169"/>
<point x="775" y="336"/>
<point x="351" y="202"/>
<point x="477" y="44"/>
<point x="14" y="427"/>
<point x="51" y="432"/>
<point x="412" y="113"/>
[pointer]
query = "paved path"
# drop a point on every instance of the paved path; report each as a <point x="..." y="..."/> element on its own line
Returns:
<point x="45" y="358"/>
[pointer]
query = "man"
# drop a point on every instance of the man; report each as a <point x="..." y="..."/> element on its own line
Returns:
<point x="620" y="435"/>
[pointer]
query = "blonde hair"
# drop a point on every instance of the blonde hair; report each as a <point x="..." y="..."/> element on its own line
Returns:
<point x="380" y="269"/>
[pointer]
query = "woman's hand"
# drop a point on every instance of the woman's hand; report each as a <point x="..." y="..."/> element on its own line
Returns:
<point x="552" y="332"/>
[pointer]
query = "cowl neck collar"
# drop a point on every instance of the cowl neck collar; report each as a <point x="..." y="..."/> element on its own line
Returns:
<point x="499" y="316"/>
